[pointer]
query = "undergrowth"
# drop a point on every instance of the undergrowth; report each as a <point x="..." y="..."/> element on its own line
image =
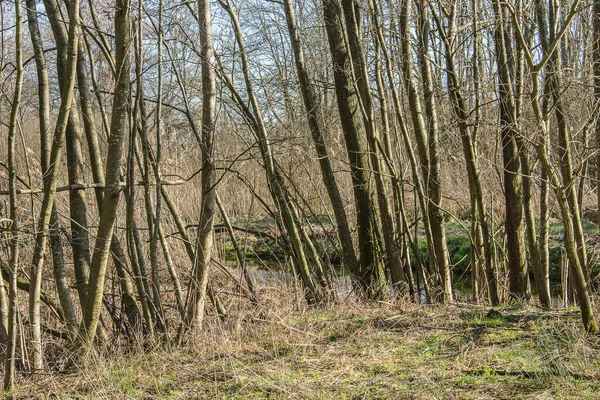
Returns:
<point x="349" y="350"/>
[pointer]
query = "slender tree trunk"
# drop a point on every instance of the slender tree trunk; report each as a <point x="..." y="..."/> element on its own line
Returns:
<point x="91" y="311"/>
<point x="140" y="118"/>
<point x="4" y="304"/>
<point x="189" y="248"/>
<point x="432" y="213"/>
<point x="302" y="262"/>
<point x="544" y="230"/>
<point x="568" y="209"/>
<point x="54" y="163"/>
<point x="172" y="272"/>
<point x="420" y="196"/>
<point x="147" y="167"/>
<point x="136" y="260"/>
<point x="132" y="246"/>
<point x="541" y="280"/>
<point x="42" y="81"/>
<point x="77" y="198"/>
<point x="91" y="132"/>
<point x="564" y="154"/>
<point x="238" y="253"/>
<point x="9" y="363"/>
<point x="155" y="233"/>
<point x="62" y="284"/>
<point x="554" y="87"/>
<point x="97" y="91"/>
<point x="596" y="70"/>
<point x="434" y="182"/>
<point x="386" y="151"/>
<point x="469" y="148"/>
<point x="204" y="242"/>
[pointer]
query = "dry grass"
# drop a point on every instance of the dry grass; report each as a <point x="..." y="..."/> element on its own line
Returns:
<point x="350" y="351"/>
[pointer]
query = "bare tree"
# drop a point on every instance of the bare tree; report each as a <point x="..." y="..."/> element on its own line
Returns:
<point x="118" y="131"/>
<point x="312" y="114"/>
<point x="9" y="364"/>
<point x="561" y="183"/>
<point x="426" y="134"/>
<point x="204" y="244"/>
<point x="513" y="190"/>
<point x="468" y="134"/>
<point x="370" y="273"/>
<point x="304" y="260"/>
<point x="54" y="162"/>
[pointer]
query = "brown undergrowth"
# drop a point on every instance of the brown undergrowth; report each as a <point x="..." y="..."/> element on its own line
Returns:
<point x="349" y="350"/>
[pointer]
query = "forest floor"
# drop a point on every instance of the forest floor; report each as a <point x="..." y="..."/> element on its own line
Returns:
<point x="353" y="351"/>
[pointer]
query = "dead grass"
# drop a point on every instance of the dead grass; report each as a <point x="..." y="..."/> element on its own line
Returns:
<point x="351" y="351"/>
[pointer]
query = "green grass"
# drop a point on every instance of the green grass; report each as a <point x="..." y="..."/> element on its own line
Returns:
<point x="356" y="352"/>
<point x="589" y="228"/>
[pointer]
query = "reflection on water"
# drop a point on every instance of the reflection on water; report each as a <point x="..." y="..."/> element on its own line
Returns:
<point x="343" y="284"/>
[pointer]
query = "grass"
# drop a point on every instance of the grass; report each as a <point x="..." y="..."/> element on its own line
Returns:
<point x="557" y="228"/>
<point x="348" y="350"/>
<point x="353" y="351"/>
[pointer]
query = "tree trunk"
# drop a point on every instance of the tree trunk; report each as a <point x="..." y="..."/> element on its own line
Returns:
<point x="155" y="232"/>
<point x="302" y="263"/>
<point x="402" y="125"/>
<point x="54" y="163"/>
<point x="77" y="198"/>
<point x="361" y="80"/>
<point x="312" y="114"/>
<point x="513" y="191"/>
<point x="119" y="117"/>
<point x="577" y="268"/>
<point x="204" y="242"/>
<point x="370" y="274"/>
<point x="431" y="206"/>
<point x="89" y="124"/>
<point x="9" y="361"/>
<point x="596" y="71"/>
<point x="434" y="182"/>
<point x="468" y="138"/>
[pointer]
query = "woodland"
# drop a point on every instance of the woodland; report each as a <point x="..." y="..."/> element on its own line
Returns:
<point x="300" y="198"/>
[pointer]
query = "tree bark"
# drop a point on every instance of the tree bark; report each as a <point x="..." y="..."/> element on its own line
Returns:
<point x="468" y="138"/>
<point x="576" y="267"/>
<point x="312" y="114"/>
<point x="91" y="132"/>
<point x="204" y="242"/>
<point x="119" y="118"/>
<point x="513" y="191"/>
<point x="596" y="70"/>
<point x="77" y="198"/>
<point x="370" y="275"/>
<point x="9" y="361"/>
<point x="50" y="186"/>
<point x="361" y="80"/>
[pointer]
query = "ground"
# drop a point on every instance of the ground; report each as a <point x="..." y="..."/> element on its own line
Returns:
<point x="353" y="351"/>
